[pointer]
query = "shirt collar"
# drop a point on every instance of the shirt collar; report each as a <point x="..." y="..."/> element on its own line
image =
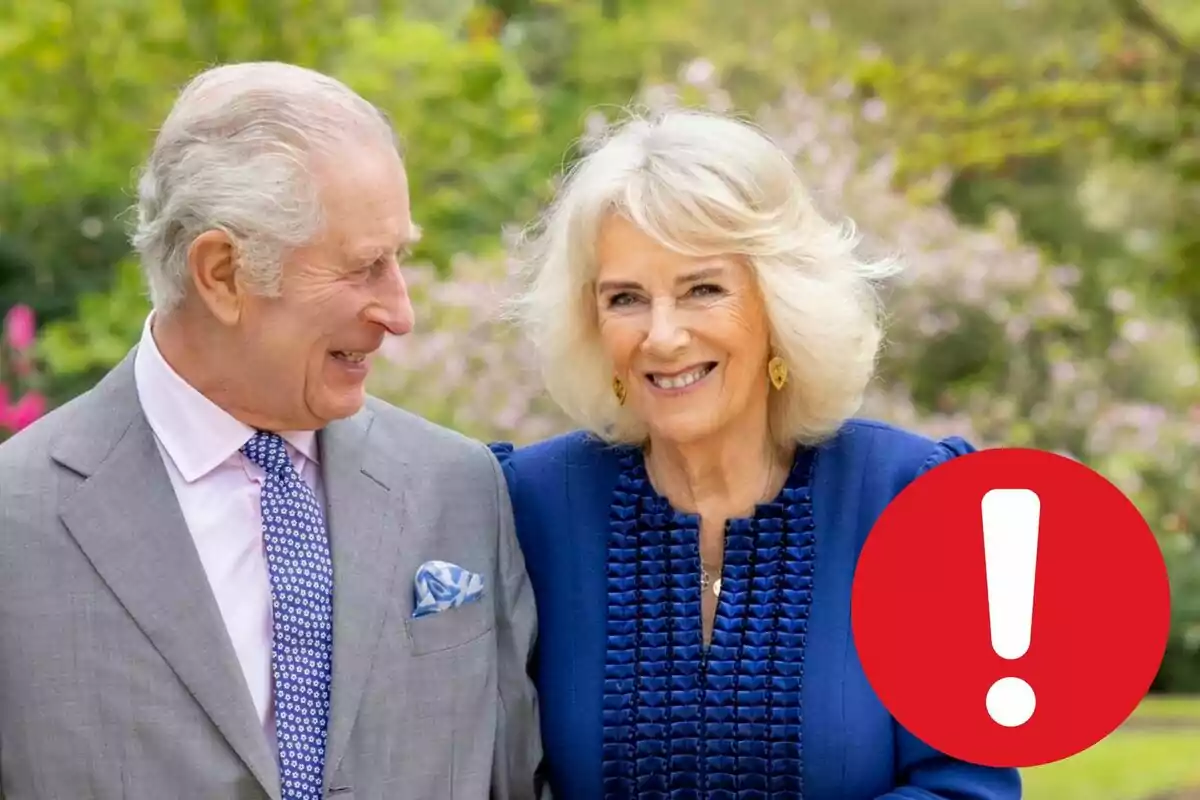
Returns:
<point x="197" y="434"/>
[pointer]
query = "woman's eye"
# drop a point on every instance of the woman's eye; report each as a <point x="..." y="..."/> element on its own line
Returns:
<point x="707" y="290"/>
<point x="620" y="299"/>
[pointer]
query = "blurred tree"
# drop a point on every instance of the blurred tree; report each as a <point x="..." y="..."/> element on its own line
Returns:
<point x="1021" y="126"/>
<point x="82" y="348"/>
<point x="472" y="127"/>
<point x="78" y="104"/>
<point x="81" y="97"/>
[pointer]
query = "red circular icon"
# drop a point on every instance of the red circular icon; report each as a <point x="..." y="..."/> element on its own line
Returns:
<point x="1011" y="607"/>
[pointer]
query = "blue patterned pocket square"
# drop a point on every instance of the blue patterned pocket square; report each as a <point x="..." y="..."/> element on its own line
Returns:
<point x="441" y="585"/>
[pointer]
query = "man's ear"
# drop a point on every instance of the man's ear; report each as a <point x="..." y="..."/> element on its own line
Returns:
<point x="213" y="264"/>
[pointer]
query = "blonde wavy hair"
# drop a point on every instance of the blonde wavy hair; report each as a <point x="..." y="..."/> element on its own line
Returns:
<point x="706" y="185"/>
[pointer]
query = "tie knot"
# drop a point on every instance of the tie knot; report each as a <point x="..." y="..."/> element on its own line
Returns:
<point x="268" y="451"/>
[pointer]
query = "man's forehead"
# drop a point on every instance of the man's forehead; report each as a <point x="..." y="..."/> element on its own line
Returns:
<point x="385" y="242"/>
<point x="365" y="197"/>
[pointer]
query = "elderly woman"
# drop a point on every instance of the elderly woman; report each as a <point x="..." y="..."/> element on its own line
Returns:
<point x="692" y="548"/>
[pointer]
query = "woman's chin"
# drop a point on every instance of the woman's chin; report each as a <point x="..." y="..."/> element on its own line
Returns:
<point x="685" y="426"/>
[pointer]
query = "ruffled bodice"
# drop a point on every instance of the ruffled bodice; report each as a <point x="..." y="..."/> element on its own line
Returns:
<point x="631" y="709"/>
<point x="682" y="720"/>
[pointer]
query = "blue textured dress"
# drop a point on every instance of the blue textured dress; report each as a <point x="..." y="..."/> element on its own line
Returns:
<point x="634" y="705"/>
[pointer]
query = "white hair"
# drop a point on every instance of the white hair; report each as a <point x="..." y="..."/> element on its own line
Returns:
<point x="704" y="184"/>
<point x="236" y="154"/>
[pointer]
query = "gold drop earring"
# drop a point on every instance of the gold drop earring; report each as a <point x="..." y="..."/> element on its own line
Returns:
<point x="619" y="390"/>
<point x="778" y="372"/>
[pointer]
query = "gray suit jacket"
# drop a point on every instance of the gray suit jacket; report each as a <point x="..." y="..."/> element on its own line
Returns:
<point x="119" y="682"/>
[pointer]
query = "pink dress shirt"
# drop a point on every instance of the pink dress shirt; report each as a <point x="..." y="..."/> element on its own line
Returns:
<point x="218" y="491"/>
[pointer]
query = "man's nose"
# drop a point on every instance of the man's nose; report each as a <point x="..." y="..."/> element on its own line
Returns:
<point x="392" y="309"/>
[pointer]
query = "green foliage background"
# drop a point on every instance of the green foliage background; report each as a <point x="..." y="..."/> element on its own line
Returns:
<point x="1079" y="118"/>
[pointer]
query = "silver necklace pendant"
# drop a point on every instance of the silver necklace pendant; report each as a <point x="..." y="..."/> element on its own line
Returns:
<point x="706" y="581"/>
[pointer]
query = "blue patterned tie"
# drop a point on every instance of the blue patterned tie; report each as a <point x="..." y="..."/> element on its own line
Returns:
<point x="302" y="602"/>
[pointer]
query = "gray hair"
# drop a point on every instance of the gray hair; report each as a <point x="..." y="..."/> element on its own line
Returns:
<point x="235" y="154"/>
<point x="704" y="184"/>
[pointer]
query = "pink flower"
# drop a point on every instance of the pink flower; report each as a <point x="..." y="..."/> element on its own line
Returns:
<point x="25" y="411"/>
<point x="19" y="326"/>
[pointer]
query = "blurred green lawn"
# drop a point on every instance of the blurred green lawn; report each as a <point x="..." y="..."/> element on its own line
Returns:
<point x="1131" y="763"/>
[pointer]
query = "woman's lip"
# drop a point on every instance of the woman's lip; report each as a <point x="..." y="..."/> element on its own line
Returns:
<point x="686" y="370"/>
<point x="677" y="390"/>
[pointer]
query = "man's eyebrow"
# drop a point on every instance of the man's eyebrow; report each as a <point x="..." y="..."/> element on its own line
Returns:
<point x="379" y="251"/>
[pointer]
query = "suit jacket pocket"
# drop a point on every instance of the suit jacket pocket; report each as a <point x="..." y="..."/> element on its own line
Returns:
<point x="450" y="628"/>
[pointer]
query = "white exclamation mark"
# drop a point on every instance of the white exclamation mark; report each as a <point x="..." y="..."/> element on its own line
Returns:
<point x="1010" y="537"/>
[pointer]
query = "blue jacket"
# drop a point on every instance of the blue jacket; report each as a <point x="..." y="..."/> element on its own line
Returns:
<point x="562" y="492"/>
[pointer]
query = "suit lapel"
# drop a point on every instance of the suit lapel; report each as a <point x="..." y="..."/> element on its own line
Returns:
<point x="127" y="521"/>
<point x="365" y="517"/>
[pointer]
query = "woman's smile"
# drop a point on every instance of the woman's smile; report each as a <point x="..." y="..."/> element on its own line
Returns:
<point x="681" y="381"/>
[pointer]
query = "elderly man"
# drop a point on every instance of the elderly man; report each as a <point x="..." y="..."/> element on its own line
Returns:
<point x="227" y="572"/>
